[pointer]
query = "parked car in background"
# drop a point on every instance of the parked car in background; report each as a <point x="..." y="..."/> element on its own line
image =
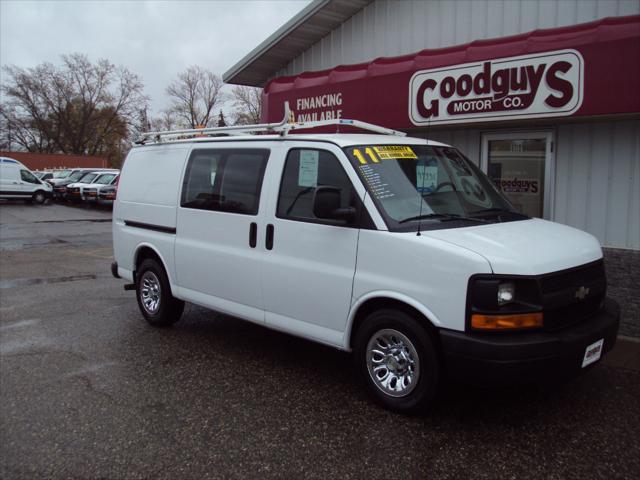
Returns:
<point x="76" y="175"/>
<point x="75" y="191"/>
<point x="72" y="176"/>
<point x="44" y="176"/>
<point x="17" y="181"/>
<point x="60" y="176"/>
<point x="108" y="194"/>
<point x="91" y="191"/>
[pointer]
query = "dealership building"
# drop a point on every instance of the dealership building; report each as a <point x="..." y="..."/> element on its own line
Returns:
<point x="543" y="95"/>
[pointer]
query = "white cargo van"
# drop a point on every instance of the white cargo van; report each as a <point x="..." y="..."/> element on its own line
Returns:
<point x="398" y="249"/>
<point x="17" y="181"/>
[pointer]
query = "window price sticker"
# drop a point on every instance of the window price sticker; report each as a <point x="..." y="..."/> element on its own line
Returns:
<point x="426" y="178"/>
<point x="308" y="170"/>
<point x="388" y="152"/>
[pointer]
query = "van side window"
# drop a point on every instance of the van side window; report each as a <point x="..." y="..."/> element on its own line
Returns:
<point x="224" y="180"/>
<point x="304" y="170"/>
<point x="29" y="177"/>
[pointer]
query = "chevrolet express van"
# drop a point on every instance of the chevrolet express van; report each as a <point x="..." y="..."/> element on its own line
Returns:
<point x="398" y="249"/>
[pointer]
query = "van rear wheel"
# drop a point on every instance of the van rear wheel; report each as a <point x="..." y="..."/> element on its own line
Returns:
<point x="153" y="293"/>
<point x="398" y="361"/>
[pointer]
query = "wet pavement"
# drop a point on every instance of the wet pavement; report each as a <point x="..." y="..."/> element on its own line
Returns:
<point x="88" y="390"/>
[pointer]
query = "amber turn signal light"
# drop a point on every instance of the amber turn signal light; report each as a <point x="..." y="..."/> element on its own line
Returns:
<point x="506" y="322"/>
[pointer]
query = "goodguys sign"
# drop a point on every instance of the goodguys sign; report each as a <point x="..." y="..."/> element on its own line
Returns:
<point x="526" y="86"/>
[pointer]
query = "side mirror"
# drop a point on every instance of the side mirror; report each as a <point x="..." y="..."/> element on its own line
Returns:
<point x="326" y="205"/>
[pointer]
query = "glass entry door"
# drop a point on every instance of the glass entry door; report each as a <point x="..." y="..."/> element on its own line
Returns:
<point x="520" y="164"/>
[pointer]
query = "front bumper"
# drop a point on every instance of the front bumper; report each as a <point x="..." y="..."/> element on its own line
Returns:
<point x="527" y="357"/>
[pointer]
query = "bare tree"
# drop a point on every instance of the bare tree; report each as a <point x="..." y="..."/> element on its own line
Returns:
<point x="195" y="95"/>
<point x="247" y="102"/>
<point x="166" y="121"/>
<point x="78" y="107"/>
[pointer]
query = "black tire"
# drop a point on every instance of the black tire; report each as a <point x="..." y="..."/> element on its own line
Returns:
<point x="419" y="393"/>
<point x="39" y="197"/>
<point x="168" y="309"/>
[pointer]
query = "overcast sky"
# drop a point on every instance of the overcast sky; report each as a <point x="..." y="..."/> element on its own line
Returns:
<point x="155" y="39"/>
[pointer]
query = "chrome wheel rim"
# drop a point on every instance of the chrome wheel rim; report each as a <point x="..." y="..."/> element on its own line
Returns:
<point x="393" y="362"/>
<point x="39" y="198"/>
<point x="150" y="292"/>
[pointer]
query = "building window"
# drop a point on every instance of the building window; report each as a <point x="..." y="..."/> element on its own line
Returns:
<point x="520" y="164"/>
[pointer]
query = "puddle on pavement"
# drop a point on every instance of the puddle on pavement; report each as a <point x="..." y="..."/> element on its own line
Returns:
<point x="19" y="324"/>
<point x="20" y="244"/>
<point x="25" y="282"/>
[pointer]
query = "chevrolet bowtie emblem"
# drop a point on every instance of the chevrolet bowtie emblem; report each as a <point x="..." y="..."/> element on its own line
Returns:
<point x="581" y="293"/>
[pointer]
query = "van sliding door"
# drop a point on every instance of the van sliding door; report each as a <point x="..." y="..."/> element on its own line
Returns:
<point x="217" y="256"/>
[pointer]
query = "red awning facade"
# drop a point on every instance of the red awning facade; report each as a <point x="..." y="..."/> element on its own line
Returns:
<point x="583" y="70"/>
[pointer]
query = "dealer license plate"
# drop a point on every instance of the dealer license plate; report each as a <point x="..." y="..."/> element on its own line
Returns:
<point x="593" y="353"/>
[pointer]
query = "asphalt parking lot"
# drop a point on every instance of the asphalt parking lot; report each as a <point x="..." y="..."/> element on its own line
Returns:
<point x="89" y="390"/>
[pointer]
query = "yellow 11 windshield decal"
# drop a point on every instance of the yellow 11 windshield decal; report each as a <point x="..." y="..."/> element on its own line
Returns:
<point x="358" y="154"/>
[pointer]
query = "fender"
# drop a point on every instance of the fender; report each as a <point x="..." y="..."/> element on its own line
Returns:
<point x="160" y="256"/>
<point x="385" y="294"/>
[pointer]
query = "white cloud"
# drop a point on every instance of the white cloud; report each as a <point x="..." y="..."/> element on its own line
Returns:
<point x="155" y="39"/>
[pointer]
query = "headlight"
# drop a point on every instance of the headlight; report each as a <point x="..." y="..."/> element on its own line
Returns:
<point x="506" y="293"/>
<point x="499" y="302"/>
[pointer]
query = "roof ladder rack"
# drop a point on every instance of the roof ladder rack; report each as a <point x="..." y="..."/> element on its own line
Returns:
<point x="283" y="128"/>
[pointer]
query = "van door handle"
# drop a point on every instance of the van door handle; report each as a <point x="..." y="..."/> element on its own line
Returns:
<point x="253" y="234"/>
<point x="269" y="239"/>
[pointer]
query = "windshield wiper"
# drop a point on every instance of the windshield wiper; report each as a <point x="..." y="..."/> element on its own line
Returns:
<point x="443" y="217"/>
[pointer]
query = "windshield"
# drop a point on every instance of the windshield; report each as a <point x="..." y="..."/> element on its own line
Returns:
<point x="61" y="174"/>
<point x="88" y="178"/>
<point x="414" y="184"/>
<point x="39" y="174"/>
<point x="105" y="179"/>
<point x="74" y="177"/>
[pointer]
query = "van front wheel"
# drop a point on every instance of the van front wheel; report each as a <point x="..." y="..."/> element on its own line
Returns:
<point x="397" y="360"/>
<point x="153" y="292"/>
<point x="39" y="197"/>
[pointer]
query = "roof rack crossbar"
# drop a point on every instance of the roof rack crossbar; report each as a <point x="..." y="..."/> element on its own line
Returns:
<point x="283" y="128"/>
<point x="342" y="121"/>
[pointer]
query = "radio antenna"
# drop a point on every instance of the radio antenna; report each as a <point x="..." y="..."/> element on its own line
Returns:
<point x="424" y="171"/>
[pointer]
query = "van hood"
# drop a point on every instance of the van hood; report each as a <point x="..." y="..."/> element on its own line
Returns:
<point x="525" y="247"/>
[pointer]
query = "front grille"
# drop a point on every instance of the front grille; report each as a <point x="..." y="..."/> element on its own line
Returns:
<point x="563" y="305"/>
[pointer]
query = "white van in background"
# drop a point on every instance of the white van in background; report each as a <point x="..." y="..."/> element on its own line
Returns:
<point x="17" y="181"/>
<point x="399" y="249"/>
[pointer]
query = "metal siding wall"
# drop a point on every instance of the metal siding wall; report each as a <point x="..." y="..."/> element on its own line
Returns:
<point x="393" y="27"/>
<point x="598" y="180"/>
